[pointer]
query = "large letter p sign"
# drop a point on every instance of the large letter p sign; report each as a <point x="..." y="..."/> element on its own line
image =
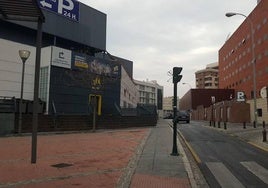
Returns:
<point x="62" y="6"/>
<point x="240" y="96"/>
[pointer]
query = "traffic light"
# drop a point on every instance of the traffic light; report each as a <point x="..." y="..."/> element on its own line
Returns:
<point x="176" y="74"/>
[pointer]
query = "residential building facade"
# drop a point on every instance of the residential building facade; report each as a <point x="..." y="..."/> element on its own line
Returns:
<point x="150" y="92"/>
<point x="207" y="78"/>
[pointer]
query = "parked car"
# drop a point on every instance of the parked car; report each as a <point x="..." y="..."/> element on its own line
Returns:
<point x="183" y="115"/>
<point x="169" y="116"/>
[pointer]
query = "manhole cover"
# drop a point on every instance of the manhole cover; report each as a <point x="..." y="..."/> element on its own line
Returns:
<point x="61" y="165"/>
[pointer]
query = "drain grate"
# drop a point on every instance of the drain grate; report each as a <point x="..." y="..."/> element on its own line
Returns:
<point x="61" y="165"/>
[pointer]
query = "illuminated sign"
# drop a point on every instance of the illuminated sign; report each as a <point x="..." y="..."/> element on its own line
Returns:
<point x="80" y="62"/>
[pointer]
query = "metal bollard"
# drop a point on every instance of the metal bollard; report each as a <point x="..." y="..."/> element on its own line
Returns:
<point x="219" y="124"/>
<point x="244" y="125"/>
<point x="214" y="124"/>
<point x="225" y="126"/>
<point x="263" y="124"/>
<point x="254" y="124"/>
<point x="264" y="138"/>
<point x="210" y="123"/>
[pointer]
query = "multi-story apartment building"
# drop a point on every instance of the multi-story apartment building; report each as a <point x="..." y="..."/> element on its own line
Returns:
<point x="208" y="77"/>
<point x="150" y="92"/>
<point x="244" y="58"/>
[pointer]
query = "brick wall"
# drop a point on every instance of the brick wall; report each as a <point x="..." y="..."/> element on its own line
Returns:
<point x="227" y="111"/>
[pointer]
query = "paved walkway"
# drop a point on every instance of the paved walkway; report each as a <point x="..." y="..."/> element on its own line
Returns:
<point x="119" y="158"/>
<point x="69" y="160"/>
<point x="156" y="167"/>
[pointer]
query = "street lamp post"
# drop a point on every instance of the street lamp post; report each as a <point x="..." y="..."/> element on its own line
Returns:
<point x="230" y="14"/>
<point x="24" y="55"/>
<point x="184" y="83"/>
<point x="213" y="100"/>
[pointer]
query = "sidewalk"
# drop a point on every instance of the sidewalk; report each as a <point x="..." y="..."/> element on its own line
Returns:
<point x="137" y="157"/>
<point x="249" y="134"/>
<point x="156" y="167"/>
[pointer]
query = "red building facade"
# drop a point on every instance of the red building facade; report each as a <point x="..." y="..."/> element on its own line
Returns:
<point x="235" y="56"/>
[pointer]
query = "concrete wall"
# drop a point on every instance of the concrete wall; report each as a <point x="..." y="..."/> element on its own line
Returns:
<point x="11" y="70"/>
<point x="261" y="104"/>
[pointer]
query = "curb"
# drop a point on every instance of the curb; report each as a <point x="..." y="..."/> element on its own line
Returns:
<point x="195" y="156"/>
<point x="185" y="161"/>
<point x="125" y="179"/>
<point x="257" y="146"/>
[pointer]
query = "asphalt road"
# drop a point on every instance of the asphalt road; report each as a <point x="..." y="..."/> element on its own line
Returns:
<point x="224" y="160"/>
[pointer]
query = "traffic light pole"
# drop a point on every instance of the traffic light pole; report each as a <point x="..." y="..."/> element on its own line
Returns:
<point x="174" y="149"/>
<point x="176" y="78"/>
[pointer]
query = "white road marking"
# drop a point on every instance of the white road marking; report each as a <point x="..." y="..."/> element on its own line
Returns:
<point x="224" y="177"/>
<point x="257" y="169"/>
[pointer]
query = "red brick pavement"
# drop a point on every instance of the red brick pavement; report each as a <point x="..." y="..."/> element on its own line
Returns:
<point x="151" y="181"/>
<point x="96" y="159"/>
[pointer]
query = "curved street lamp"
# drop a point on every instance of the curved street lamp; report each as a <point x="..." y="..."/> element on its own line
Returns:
<point x="184" y="83"/>
<point x="24" y="55"/>
<point x="230" y="14"/>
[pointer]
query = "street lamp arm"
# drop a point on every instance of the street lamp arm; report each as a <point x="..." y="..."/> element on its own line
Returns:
<point x="230" y="14"/>
<point x="184" y="83"/>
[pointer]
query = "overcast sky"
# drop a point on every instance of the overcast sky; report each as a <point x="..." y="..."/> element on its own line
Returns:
<point x="158" y="35"/>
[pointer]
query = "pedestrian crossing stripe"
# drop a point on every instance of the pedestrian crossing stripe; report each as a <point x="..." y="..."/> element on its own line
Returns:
<point x="224" y="177"/>
<point x="227" y="180"/>
<point x="257" y="169"/>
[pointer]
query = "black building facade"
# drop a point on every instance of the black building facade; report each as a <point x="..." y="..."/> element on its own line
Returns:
<point x="72" y="91"/>
<point x="92" y="73"/>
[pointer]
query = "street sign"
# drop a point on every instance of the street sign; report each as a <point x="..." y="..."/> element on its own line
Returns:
<point x="66" y="8"/>
<point x="240" y="96"/>
<point x="61" y="57"/>
<point x="263" y="92"/>
<point x="213" y="99"/>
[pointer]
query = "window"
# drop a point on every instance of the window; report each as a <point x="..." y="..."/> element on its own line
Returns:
<point x="258" y="26"/>
<point x="259" y="112"/>
<point x="265" y="37"/>
<point x="43" y="88"/>
<point x="252" y="94"/>
<point x="266" y="52"/>
<point x="264" y="21"/>
<point x="142" y="87"/>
